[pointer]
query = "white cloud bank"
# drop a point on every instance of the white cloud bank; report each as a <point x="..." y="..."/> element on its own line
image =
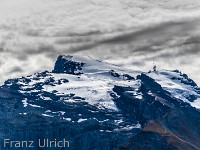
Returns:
<point x="128" y="32"/>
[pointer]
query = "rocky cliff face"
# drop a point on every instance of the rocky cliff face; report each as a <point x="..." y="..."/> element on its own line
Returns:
<point x="98" y="106"/>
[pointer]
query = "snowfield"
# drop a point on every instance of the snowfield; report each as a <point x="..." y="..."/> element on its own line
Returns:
<point x="94" y="85"/>
<point x="177" y="88"/>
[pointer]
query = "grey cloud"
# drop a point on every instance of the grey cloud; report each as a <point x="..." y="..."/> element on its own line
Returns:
<point x="33" y="33"/>
<point x="53" y="56"/>
<point x="83" y="47"/>
<point x="138" y="63"/>
<point x="73" y="40"/>
<point x="16" y="69"/>
<point x="2" y="45"/>
<point x="144" y="39"/>
<point x="76" y="34"/>
<point x="192" y="40"/>
<point x="1" y="49"/>
<point x="22" y="57"/>
<point x="149" y="33"/>
<point x="42" y="48"/>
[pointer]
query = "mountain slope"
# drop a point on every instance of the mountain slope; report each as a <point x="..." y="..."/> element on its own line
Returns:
<point x="96" y="105"/>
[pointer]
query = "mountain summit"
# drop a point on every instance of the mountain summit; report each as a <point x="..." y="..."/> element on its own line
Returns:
<point x="99" y="106"/>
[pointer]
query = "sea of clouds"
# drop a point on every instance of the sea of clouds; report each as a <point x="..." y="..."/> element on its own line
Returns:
<point x="132" y="33"/>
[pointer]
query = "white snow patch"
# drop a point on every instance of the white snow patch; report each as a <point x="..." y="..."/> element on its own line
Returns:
<point x="46" y="98"/>
<point x="129" y="127"/>
<point x="139" y="97"/>
<point x="25" y="102"/>
<point x="81" y="120"/>
<point x="23" y="113"/>
<point x="118" y="121"/>
<point x="104" y="120"/>
<point x="196" y="103"/>
<point x="68" y="119"/>
<point x="62" y="112"/>
<point x="47" y="111"/>
<point x="35" y="106"/>
<point x="175" y="87"/>
<point x="46" y="115"/>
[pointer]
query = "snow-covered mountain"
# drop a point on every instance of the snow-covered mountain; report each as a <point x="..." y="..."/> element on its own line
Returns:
<point x="100" y="106"/>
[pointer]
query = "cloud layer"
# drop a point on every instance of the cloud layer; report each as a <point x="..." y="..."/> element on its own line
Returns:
<point x="132" y="33"/>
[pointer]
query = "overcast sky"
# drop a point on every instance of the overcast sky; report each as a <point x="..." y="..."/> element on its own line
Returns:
<point x="131" y="33"/>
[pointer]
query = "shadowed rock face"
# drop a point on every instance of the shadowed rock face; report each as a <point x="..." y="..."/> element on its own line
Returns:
<point x="64" y="64"/>
<point x="95" y="105"/>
